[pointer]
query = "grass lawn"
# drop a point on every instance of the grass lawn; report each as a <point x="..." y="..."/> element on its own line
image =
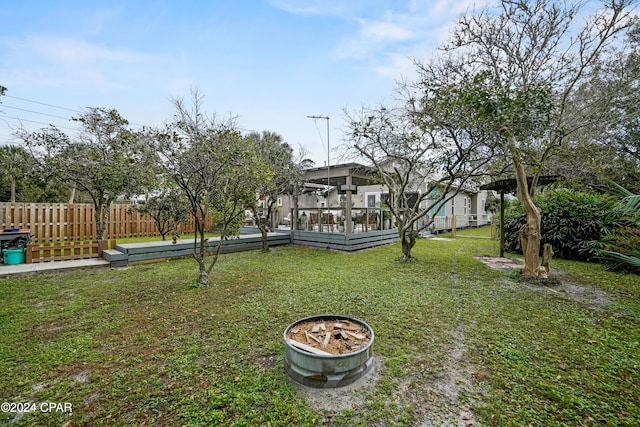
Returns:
<point x="140" y="346"/>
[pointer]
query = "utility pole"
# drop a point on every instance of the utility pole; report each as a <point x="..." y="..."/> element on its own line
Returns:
<point x="328" y="170"/>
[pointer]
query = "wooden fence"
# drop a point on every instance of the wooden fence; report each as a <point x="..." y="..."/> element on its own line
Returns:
<point x="64" y="251"/>
<point x="55" y="222"/>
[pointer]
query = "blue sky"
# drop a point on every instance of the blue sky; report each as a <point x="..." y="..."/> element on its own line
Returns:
<point x="270" y="62"/>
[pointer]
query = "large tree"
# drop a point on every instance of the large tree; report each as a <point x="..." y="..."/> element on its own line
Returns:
<point x="213" y="165"/>
<point x="518" y="69"/>
<point x="106" y="160"/>
<point x="607" y="147"/>
<point x="48" y="147"/>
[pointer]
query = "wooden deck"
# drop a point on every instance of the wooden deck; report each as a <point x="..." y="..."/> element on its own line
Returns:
<point x="131" y="253"/>
<point x="128" y="253"/>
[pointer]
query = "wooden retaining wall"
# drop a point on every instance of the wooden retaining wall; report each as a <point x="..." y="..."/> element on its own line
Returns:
<point x="129" y="253"/>
<point x="344" y="242"/>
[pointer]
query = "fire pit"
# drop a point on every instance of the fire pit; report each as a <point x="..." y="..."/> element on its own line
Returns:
<point x="328" y="350"/>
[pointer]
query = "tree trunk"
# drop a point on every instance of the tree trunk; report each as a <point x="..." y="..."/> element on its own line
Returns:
<point x="530" y="236"/>
<point x="262" y="226"/>
<point x="263" y="234"/>
<point x="13" y="190"/>
<point x="102" y="219"/>
<point x="531" y="240"/>
<point x="408" y="241"/>
<point x="72" y="196"/>
<point x="203" y="277"/>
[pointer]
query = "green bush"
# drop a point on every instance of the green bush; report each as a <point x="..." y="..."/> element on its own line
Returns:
<point x="575" y="223"/>
<point x="623" y="250"/>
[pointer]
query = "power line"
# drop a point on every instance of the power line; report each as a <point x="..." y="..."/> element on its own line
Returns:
<point x="52" y="106"/>
<point x="35" y="112"/>
<point x="43" y="103"/>
<point x="33" y="121"/>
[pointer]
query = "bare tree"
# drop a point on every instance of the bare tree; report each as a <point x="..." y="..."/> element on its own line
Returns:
<point x="420" y="157"/>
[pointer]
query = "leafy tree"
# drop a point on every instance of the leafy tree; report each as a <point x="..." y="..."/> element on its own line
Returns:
<point x="106" y="161"/>
<point x="213" y="165"/>
<point x="15" y="165"/>
<point x="48" y="148"/>
<point x="279" y="174"/>
<point x="607" y="145"/>
<point x="168" y="209"/>
<point x="519" y="69"/>
<point x="575" y="223"/>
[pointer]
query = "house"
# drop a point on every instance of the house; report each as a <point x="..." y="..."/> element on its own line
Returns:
<point x="334" y="194"/>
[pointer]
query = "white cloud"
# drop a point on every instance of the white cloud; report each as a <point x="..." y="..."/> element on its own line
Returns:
<point x="69" y="59"/>
<point x="413" y="30"/>
<point x="384" y="30"/>
<point x="316" y="7"/>
<point x="76" y="52"/>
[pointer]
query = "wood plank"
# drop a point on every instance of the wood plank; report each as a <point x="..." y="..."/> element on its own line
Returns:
<point x="308" y="348"/>
<point x="309" y="336"/>
<point x="356" y="336"/>
<point x="327" y="337"/>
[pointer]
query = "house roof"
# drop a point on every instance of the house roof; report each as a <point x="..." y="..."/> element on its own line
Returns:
<point x="337" y="174"/>
<point x="510" y="185"/>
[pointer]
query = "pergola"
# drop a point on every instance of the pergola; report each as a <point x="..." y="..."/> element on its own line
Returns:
<point x="346" y="177"/>
<point x="510" y="185"/>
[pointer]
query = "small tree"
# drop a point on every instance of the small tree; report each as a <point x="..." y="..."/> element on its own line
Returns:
<point x="212" y="164"/>
<point x="15" y="166"/>
<point x="168" y="210"/>
<point x="277" y="176"/>
<point x="48" y="148"/>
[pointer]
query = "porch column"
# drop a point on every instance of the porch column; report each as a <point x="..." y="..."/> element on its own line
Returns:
<point x="348" y="187"/>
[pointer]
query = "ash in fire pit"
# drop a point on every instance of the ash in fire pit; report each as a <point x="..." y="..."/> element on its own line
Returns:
<point x="328" y="350"/>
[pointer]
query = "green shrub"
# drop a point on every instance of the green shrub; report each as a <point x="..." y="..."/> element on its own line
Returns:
<point x="622" y="250"/>
<point x="575" y="223"/>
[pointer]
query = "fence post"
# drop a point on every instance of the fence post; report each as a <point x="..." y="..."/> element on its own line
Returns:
<point x="29" y="253"/>
<point x="102" y="246"/>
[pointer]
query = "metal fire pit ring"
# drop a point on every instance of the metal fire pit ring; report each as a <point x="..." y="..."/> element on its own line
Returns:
<point x="327" y="371"/>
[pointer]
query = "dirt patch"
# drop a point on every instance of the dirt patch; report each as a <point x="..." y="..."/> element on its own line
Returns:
<point x="558" y="283"/>
<point x="506" y="265"/>
<point x="332" y="400"/>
